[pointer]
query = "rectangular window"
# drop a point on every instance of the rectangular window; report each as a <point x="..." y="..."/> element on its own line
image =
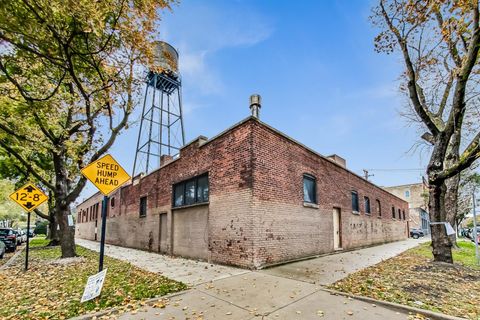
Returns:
<point x="403" y="214"/>
<point x="399" y="214"/>
<point x="393" y="212"/>
<point x="355" y="207"/>
<point x="202" y="189"/>
<point x="379" y="208"/>
<point x="178" y="191"/>
<point x="367" y="205"/>
<point x="143" y="207"/>
<point x="191" y="191"/>
<point x="309" y="189"/>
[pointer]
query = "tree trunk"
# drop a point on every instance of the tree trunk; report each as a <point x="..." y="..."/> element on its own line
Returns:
<point x="451" y="204"/>
<point x="67" y="233"/>
<point x="441" y="245"/>
<point x="53" y="232"/>
<point x="62" y="207"/>
<point x="452" y="184"/>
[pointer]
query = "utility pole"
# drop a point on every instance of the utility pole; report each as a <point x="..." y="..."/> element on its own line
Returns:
<point x="366" y="175"/>
<point x="475" y="228"/>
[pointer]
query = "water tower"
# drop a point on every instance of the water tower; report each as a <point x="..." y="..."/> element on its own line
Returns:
<point x="161" y="127"/>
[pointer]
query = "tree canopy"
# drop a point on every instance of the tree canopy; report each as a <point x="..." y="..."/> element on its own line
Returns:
<point x="439" y="42"/>
<point x="70" y="73"/>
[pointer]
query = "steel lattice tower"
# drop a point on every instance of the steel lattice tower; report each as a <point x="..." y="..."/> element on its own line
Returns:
<point x="161" y="127"/>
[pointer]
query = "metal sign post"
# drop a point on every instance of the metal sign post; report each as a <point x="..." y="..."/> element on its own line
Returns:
<point x="102" y="236"/>
<point x="28" y="241"/>
<point x="107" y="175"/>
<point x="475" y="236"/>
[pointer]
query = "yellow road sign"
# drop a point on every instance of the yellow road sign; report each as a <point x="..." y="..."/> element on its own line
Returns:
<point x="29" y="197"/>
<point x="106" y="174"/>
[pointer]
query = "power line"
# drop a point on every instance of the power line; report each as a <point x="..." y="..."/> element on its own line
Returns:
<point x="410" y="169"/>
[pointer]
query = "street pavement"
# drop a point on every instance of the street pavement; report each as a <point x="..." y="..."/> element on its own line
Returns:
<point x="290" y="291"/>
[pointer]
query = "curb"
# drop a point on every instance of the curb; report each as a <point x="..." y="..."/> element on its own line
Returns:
<point x="114" y="310"/>
<point x="396" y="306"/>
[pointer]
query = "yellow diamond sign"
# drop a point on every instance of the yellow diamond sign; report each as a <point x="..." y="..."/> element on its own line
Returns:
<point x="29" y="197"/>
<point x="106" y="174"/>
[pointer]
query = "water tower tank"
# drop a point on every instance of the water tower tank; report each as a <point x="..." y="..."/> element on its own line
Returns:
<point x="165" y="59"/>
<point x="161" y="128"/>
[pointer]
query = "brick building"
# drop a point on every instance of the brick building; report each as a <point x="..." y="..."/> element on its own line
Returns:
<point x="416" y="194"/>
<point x="251" y="197"/>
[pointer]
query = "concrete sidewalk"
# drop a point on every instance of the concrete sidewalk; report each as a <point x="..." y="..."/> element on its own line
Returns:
<point x="329" y="269"/>
<point x="190" y="272"/>
<point x="291" y="291"/>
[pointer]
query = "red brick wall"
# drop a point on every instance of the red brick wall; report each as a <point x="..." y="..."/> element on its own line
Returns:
<point x="256" y="214"/>
<point x="286" y="229"/>
<point x="227" y="159"/>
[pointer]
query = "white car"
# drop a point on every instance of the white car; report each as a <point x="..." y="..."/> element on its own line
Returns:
<point x="24" y="235"/>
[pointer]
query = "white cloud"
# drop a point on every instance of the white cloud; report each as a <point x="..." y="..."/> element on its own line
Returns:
<point x="199" y="31"/>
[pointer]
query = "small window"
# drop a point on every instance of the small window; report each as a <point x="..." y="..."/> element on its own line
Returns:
<point x="399" y="214"/>
<point x="393" y="212"/>
<point x="367" y="205"/>
<point x="191" y="191"/>
<point x="355" y="201"/>
<point x="309" y="189"/>
<point x="379" y="208"/>
<point x="112" y="202"/>
<point x="407" y="193"/>
<point x="403" y="213"/>
<point x="143" y="207"/>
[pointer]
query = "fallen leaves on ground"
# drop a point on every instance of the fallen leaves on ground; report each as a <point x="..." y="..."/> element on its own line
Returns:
<point x="6" y="257"/>
<point x="413" y="279"/>
<point x="52" y="290"/>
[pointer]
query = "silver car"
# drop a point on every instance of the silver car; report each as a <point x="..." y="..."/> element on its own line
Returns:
<point x="2" y="249"/>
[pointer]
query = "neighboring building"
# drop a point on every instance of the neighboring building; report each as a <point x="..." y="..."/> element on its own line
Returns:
<point x="251" y="197"/>
<point x="416" y="195"/>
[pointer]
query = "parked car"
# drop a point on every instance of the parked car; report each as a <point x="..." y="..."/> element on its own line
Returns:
<point x="478" y="238"/>
<point x="416" y="233"/>
<point x="31" y="233"/>
<point x="2" y="249"/>
<point x="470" y="233"/>
<point x="18" y="236"/>
<point x="9" y="238"/>
<point x="464" y="232"/>
<point x="24" y="235"/>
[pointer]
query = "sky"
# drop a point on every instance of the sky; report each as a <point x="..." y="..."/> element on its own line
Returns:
<point x="313" y="63"/>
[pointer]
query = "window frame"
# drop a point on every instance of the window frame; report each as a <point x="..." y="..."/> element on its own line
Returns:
<point x="379" y="208"/>
<point x="314" y="180"/>
<point x="357" y="204"/>
<point x="183" y="185"/>
<point x="393" y="212"/>
<point x="140" y="213"/>
<point x="366" y="200"/>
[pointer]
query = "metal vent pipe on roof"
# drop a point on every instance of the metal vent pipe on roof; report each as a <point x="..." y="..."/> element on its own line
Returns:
<point x="255" y="105"/>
